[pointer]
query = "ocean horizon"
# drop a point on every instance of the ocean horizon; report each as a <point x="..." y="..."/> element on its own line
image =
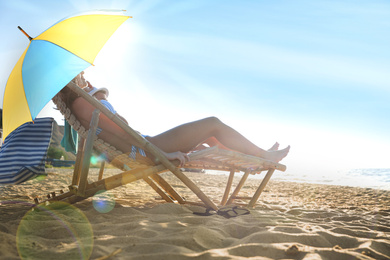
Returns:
<point x="374" y="178"/>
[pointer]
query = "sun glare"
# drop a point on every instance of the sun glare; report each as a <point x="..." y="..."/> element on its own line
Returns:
<point x="121" y="44"/>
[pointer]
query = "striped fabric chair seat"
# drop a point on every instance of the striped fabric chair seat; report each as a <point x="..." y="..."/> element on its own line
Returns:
<point x="23" y="153"/>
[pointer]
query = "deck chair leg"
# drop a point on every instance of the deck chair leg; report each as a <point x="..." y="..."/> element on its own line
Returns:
<point x="228" y="187"/>
<point x="238" y="188"/>
<point x="256" y="196"/>
<point x="158" y="190"/>
<point x="191" y="185"/>
<point x="79" y="159"/>
<point x="88" y="153"/>
<point x="101" y="170"/>
<point x="167" y="187"/>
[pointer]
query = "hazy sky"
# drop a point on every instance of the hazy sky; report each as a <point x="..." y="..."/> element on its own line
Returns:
<point x="310" y="74"/>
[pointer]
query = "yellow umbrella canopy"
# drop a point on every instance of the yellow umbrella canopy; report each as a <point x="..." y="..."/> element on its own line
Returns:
<point x="51" y="60"/>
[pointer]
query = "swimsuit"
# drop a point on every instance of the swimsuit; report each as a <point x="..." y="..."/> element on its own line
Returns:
<point x="109" y="107"/>
<point x="133" y="153"/>
<point x="134" y="148"/>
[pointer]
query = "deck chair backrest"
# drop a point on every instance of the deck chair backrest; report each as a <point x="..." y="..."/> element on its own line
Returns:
<point x="112" y="154"/>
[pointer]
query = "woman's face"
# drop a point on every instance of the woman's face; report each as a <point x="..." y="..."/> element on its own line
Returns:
<point x="80" y="80"/>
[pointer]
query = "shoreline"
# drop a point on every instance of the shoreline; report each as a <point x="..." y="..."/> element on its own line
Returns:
<point x="291" y="220"/>
<point x="334" y="180"/>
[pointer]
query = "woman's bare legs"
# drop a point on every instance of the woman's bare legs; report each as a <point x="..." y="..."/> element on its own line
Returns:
<point x="212" y="141"/>
<point x="186" y="137"/>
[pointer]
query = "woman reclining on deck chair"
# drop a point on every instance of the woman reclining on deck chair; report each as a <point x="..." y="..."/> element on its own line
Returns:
<point x="175" y="143"/>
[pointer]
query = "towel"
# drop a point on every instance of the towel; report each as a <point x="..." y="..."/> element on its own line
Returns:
<point x="24" y="151"/>
<point x="70" y="139"/>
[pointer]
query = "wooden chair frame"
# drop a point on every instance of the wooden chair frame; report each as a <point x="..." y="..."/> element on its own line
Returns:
<point x="211" y="158"/>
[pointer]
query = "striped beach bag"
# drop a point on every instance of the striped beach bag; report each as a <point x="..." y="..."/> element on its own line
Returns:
<point x="23" y="153"/>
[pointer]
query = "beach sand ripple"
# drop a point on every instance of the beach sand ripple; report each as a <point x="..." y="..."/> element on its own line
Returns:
<point x="291" y="221"/>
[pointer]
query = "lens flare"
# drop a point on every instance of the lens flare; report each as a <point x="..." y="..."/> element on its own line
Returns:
<point x="97" y="159"/>
<point x="103" y="201"/>
<point x="59" y="229"/>
<point x="94" y="160"/>
<point x="40" y="177"/>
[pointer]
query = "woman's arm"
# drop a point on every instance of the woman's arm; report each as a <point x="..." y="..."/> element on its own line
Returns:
<point x="121" y="118"/>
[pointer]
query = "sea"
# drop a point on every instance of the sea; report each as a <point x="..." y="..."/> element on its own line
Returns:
<point x="364" y="178"/>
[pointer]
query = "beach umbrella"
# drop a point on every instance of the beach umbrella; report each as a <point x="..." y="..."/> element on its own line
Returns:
<point x="51" y="60"/>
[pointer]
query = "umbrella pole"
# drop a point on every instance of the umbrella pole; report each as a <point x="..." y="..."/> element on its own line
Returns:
<point x="28" y="36"/>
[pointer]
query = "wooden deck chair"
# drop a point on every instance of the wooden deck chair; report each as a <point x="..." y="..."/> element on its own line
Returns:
<point x="211" y="158"/>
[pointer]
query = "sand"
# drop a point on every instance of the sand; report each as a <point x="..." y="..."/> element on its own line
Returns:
<point x="291" y="221"/>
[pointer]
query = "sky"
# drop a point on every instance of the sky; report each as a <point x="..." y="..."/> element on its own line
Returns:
<point x="310" y="74"/>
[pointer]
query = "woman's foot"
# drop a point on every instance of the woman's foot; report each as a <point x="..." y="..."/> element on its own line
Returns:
<point x="275" y="147"/>
<point x="278" y="155"/>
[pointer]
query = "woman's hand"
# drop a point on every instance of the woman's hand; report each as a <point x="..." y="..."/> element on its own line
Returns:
<point x="182" y="157"/>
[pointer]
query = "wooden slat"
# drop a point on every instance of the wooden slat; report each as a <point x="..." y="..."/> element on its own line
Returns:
<point x="158" y="190"/>
<point x="227" y="189"/>
<point x="167" y="187"/>
<point x="103" y="163"/>
<point x="79" y="160"/>
<point x="261" y="188"/>
<point x="88" y="153"/>
<point x="238" y="188"/>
